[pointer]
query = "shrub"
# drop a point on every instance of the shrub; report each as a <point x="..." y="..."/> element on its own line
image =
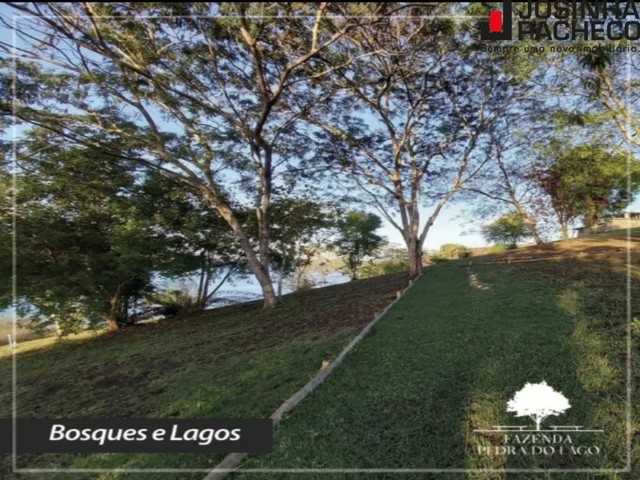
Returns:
<point x="452" y="251"/>
<point x="306" y="283"/>
<point x="173" y="302"/>
<point x="384" y="267"/>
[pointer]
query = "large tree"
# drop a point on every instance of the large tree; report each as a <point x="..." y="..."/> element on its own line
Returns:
<point x="197" y="88"/>
<point x="407" y="121"/>
<point x="587" y="181"/>
<point x="84" y="252"/>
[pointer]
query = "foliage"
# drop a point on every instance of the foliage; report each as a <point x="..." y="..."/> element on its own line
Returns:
<point x="588" y="181"/>
<point x="202" y="240"/>
<point x="357" y="238"/>
<point x="453" y="251"/>
<point x="173" y="302"/>
<point x="507" y="230"/>
<point x="84" y="251"/>
<point x="375" y="268"/>
<point x="299" y="227"/>
<point x="92" y="233"/>
<point x="496" y="249"/>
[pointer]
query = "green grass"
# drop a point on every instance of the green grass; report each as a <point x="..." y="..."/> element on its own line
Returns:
<point x="235" y="362"/>
<point x="443" y="362"/>
<point x="447" y="359"/>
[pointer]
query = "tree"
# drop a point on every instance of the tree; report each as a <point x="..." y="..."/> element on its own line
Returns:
<point x="538" y="401"/>
<point x="507" y="230"/>
<point x="407" y="121"/>
<point x="200" y="237"/>
<point x="588" y="181"/>
<point x="197" y="88"/>
<point x="507" y="179"/>
<point x="357" y="238"/>
<point x="92" y="235"/>
<point x="297" y="231"/>
<point x="83" y="251"/>
<point x="611" y="81"/>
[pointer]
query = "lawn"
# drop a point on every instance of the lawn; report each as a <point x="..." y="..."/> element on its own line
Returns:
<point x="446" y="360"/>
<point x="442" y="363"/>
<point x="234" y="362"/>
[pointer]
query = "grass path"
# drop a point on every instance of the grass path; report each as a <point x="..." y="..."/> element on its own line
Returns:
<point x="444" y="362"/>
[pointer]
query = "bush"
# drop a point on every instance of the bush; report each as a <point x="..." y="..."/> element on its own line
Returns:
<point x="384" y="267"/>
<point x="452" y="251"/>
<point x="173" y="302"/>
<point x="306" y="283"/>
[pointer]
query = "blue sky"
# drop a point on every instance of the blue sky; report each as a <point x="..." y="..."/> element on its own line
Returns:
<point x="450" y="227"/>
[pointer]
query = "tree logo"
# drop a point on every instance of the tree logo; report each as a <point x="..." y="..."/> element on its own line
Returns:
<point x="538" y="401"/>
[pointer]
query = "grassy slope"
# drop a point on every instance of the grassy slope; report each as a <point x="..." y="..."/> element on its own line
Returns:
<point x="235" y="362"/>
<point x="446" y="360"/>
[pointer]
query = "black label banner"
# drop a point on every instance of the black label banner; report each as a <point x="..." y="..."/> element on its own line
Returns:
<point x="137" y="435"/>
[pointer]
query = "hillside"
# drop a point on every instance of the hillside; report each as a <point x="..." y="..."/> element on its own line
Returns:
<point x="238" y="361"/>
<point x="446" y="360"/>
<point x="440" y="365"/>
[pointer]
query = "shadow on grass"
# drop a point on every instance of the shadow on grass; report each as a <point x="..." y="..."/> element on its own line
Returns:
<point x="444" y="362"/>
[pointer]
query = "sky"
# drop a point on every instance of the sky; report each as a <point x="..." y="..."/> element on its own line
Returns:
<point x="452" y="225"/>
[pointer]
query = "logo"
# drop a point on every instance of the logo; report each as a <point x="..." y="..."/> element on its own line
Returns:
<point x="564" y="20"/>
<point x="538" y="402"/>
<point x="500" y="24"/>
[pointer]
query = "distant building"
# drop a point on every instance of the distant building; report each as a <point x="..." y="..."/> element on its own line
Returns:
<point x="627" y="220"/>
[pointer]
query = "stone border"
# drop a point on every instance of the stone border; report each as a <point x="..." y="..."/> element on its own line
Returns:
<point x="230" y="463"/>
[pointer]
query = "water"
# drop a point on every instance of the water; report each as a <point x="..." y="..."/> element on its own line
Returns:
<point x="238" y="290"/>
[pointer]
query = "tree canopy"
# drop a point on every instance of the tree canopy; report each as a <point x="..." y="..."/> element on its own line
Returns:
<point x="357" y="239"/>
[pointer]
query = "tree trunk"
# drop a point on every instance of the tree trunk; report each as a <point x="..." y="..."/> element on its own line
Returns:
<point x="112" y="323"/>
<point x="281" y="276"/>
<point x="529" y="222"/>
<point x="534" y="233"/>
<point x="538" y="422"/>
<point x="200" y="297"/>
<point x="207" y="281"/>
<point x="270" y="299"/>
<point x="414" y="251"/>
<point x="114" y="308"/>
<point x="259" y="270"/>
<point x="565" y="231"/>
